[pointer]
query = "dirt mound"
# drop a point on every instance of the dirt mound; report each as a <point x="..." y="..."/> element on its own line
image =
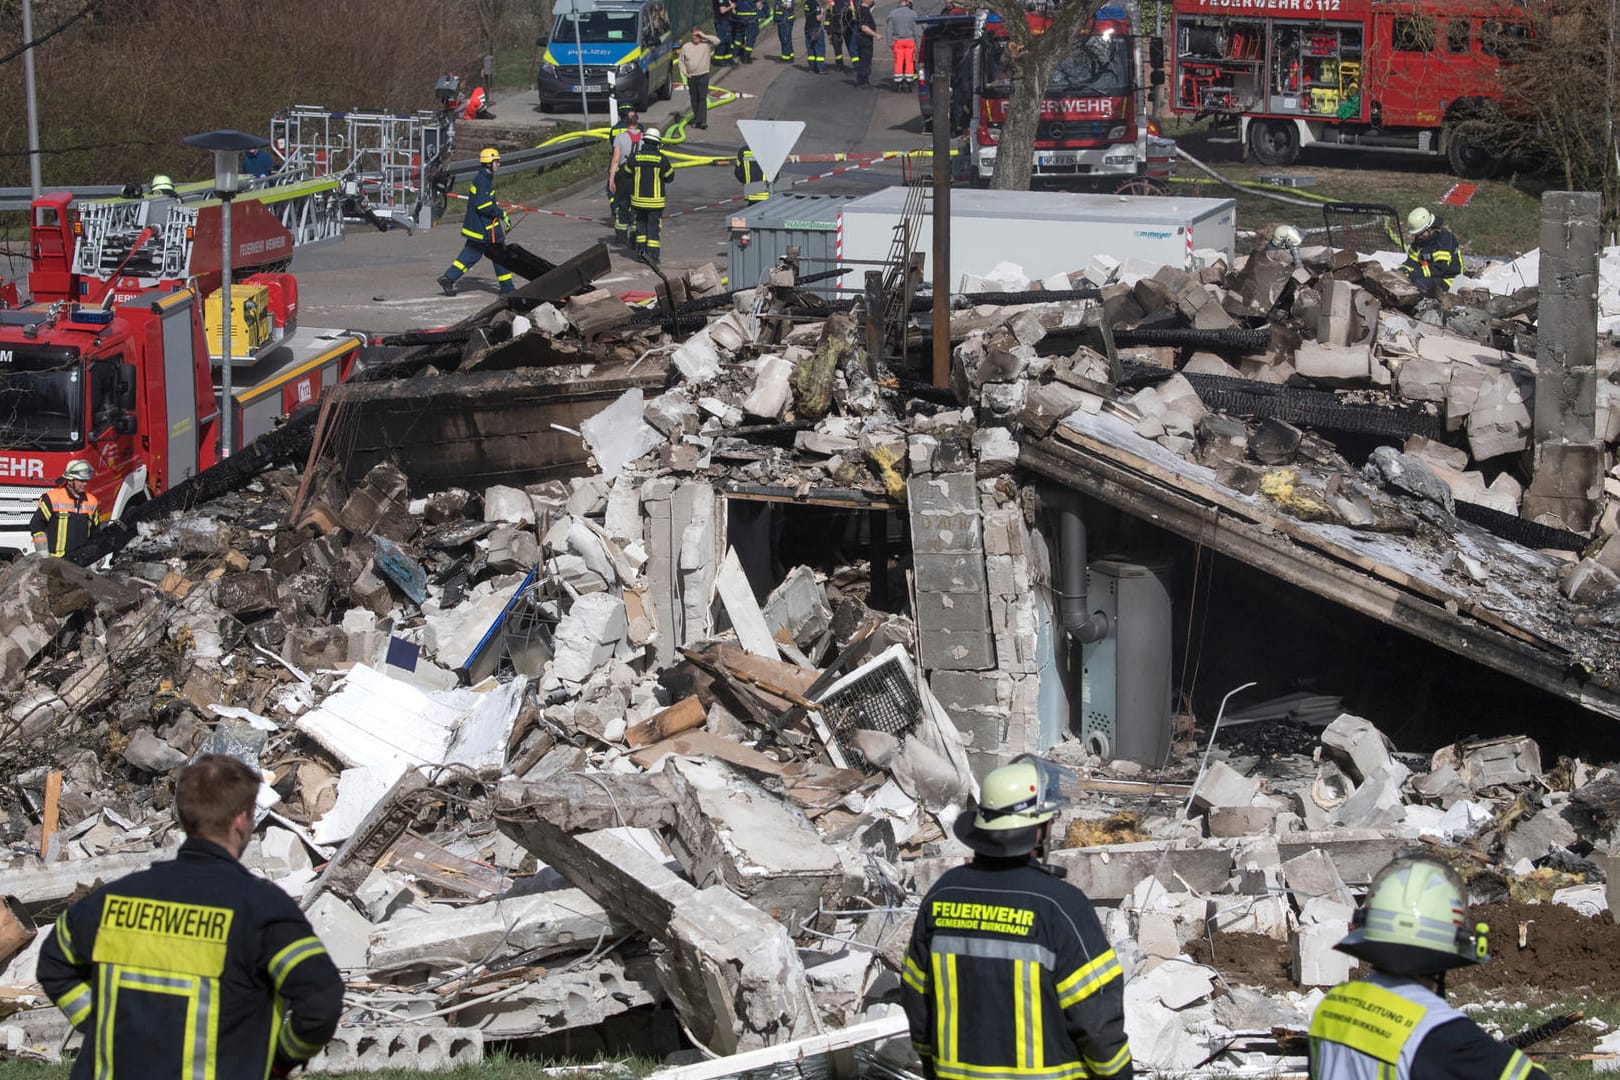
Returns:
<point x="1565" y="953"/>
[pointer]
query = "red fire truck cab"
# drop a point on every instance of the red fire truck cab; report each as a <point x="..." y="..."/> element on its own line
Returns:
<point x="1093" y="127"/>
<point x="116" y="357"/>
<point x="1418" y="76"/>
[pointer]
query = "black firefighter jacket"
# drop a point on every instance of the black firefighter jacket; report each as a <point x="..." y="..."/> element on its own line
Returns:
<point x="192" y="969"/>
<point x="1009" y="977"/>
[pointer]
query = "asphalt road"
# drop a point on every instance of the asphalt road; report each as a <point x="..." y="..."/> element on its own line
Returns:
<point x="385" y="281"/>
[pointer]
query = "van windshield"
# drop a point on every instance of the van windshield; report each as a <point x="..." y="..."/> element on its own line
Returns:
<point x="596" y="26"/>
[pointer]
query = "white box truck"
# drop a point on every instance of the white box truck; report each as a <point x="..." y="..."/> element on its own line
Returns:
<point x="1044" y="232"/>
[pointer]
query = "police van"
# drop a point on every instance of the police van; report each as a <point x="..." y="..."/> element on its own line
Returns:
<point x="632" y="39"/>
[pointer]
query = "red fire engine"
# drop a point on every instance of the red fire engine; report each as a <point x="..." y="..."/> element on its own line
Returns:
<point x="1420" y="76"/>
<point x="114" y="359"/>
<point x="1093" y="126"/>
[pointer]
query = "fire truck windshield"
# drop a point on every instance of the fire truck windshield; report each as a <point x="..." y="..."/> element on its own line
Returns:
<point x="1097" y="65"/>
<point x="41" y="399"/>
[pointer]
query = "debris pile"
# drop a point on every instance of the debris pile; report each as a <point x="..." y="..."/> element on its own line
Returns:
<point x="547" y="756"/>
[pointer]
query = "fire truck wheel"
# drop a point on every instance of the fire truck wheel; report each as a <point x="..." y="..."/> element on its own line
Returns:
<point x="1274" y="142"/>
<point x="1142" y="185"/>
<point x="1467" y="153"/>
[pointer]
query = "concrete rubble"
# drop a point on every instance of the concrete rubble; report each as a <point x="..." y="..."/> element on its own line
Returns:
<point x="641" y="752"/>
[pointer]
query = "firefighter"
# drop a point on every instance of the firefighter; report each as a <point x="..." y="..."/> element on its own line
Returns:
<point x="866" y="35"/>
<point x="1394" y="1023"/>
<point x="1009" y="973"/>
<point x="485" y="223"/>
<point x="902" y="30"/>
<point x="725" y="27"/>
<point x="756" y="189"/>
<point x="626" y="135"/>
<point x="194" y="967"/>
<point x="1433" y="259"/>
<point x="66" y="515"/>
<point x="815" y="36"/>
<point x="747" y="23"/>
<point x="653" y="171"/>
<point x="784" y="29"/>
<point x="161" y="186"/>
<point x="838" y="31"/>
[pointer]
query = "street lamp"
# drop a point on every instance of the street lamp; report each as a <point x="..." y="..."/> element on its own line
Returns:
<point x="227" y="147"/>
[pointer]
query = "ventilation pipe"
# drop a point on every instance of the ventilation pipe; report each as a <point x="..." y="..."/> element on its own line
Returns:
<point x="1079" y="623"/>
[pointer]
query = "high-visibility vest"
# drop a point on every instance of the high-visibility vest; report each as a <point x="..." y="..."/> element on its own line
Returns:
<point x="652" y="172"/>
<point x="62" y="523"/>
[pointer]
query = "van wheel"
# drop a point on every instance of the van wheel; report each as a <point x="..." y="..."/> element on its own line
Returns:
<point x="668" y="89"/>
<point x="1467" y="153"/>
<point x="1274" y="142"/>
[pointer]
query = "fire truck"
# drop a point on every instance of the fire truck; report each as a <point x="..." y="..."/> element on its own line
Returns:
<point x="1417" y="76"/>
<point x="116" y="357"/>
<point x="1094" y="127"/>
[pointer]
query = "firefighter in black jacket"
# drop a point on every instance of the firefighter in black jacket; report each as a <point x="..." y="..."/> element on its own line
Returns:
<point x="1009" y="974"/>
<point x="756" y="188"/>
<point x="1433" y="259"/>
<point x="194" y="968"/>
<point x="484" y="223"/>
<point x="652" y="171"/>
<point x="66" y="515"/>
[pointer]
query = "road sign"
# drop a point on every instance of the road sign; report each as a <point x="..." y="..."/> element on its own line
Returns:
<point x="771" y="141"/>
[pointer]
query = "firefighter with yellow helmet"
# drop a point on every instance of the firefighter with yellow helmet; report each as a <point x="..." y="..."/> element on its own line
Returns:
<point x="485" y="223"/>
<point x="1394" y="1024"/>
<point x="1009" y="975"/>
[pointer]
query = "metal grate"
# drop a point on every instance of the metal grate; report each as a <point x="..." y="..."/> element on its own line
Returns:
<point x="1362" y="227"/>
<point x="879" y="697"/>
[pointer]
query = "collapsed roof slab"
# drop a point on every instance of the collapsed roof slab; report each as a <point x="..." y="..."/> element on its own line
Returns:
<point x="470" y="430"/>
<point x="1516" y="623"/>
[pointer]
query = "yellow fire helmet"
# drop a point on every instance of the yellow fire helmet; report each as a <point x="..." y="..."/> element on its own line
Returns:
<point x="1415" y="921"/>
<point x="1014" y="801"/>
<point x="488" y="155"/>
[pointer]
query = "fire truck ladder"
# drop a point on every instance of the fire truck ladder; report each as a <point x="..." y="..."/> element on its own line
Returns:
<point x="391" y="155"/>
<point x="108" y="228"/>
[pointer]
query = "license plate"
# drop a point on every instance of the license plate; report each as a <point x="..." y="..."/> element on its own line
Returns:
<point x="1054" y="159"/>
<point x="571" y="90"/>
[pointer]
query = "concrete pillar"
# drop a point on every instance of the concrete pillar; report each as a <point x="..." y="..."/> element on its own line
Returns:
<point x="1568" y="480"/>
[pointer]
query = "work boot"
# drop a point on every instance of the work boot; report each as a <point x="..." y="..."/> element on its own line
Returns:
<point x="448" y="284"/>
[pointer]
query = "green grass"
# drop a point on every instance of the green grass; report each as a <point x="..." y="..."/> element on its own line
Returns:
<point x="1508" y="1018"/>
<point x="1502" y="219"/>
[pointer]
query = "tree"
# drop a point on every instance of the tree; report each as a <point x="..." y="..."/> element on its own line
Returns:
<point x="1559" y="97"/>
<point x="1032" y="57"/>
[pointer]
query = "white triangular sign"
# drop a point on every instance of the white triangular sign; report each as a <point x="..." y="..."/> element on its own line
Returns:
<point x="771" y="141"/>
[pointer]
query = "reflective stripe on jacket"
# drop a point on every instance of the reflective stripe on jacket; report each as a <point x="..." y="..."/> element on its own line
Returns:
<point x="193" y="969"/>
<point x="652" y="172"/>
<point x="1435" y="262"/>
<point x="748" y="173"/>
<point x="1010" y="977"/>
<point x="62" y="523"/>
<point x="1386" y="1027"/>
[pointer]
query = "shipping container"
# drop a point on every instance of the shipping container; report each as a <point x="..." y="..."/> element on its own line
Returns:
<point x="762" y="234"/>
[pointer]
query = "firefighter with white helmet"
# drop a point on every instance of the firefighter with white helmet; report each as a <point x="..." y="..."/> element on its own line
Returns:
<point x="66" y="515"/>
<point x="1009" y="974"/>
<point x="1433" y="259"/>
<point x="651" y="170"/>
<point x="1394" y="1024"/>
<point x="161" y="185"/>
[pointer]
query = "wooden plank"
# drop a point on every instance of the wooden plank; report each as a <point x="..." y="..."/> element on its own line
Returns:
<point x="1135" y="787"/>
<point x="684" y="715"/>
<point x="765" y="670"/>
<point x="50" y="819"/>
<point x="434" y="865"/>
<point x="701" y="743"/>
<point x="738" y="597"/>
